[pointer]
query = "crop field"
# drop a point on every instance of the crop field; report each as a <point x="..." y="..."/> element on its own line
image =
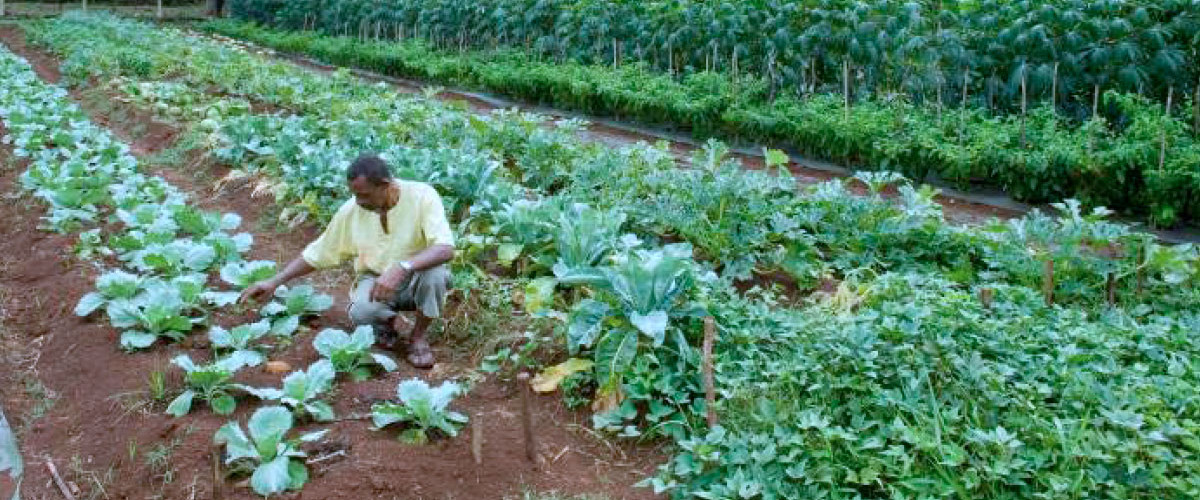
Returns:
<point x="696" y="327"/>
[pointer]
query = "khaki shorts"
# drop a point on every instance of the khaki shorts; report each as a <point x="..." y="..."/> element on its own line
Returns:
<point x="423" y="291"/>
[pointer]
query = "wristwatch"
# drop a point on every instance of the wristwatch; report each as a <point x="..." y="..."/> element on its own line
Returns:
<point x="407" y="265"/>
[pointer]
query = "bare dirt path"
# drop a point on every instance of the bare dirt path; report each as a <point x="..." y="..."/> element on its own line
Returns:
<point x="78" y="401"/>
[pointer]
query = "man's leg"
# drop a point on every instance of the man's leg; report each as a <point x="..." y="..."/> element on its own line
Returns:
<point x="364" y="312"/>
<point x="424" y="293"/>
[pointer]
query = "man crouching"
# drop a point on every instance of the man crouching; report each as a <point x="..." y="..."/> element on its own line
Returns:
<point x="399" y="236"/>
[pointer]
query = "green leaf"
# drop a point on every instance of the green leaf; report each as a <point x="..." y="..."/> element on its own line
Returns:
<point x="223" y="404"/>
<point x="272" y="477"/>
<point x="614" y="354"/>
<point x="237" y="445"/>
<point x="320" y="410"/>
<point x="89" y="303"/>
<point x="654" y="325"/>
<point x="132" y="340"/>
<point x="506" y="253"/>
<point x="285" y="326"/>
<point x="297" y="474"/>
<point x="268" y="425"/>
<point x="584" y="323"/>
<point x="181" y="405"/>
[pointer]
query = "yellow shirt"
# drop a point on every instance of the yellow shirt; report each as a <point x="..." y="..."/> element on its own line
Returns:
<point x="415" y="223"/>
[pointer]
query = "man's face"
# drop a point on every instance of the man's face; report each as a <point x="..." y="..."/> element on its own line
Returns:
<point x="370" y="196"/>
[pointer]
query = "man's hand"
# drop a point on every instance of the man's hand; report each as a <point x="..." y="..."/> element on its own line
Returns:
<point x="385" y="286"/>
<point x="259" y="292"/>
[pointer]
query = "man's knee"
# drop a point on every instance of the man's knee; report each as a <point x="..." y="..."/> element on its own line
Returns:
<point x="366" y="313"/>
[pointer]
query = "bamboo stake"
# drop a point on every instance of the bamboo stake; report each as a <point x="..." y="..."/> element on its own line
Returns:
<point x="85" y="5"/>
<point x="159" y="12"/>
<point x="710" y="393"/>
<point x="1096" y="101"/>
<point x="1141" y="270"/>
<point x="2" y="10"/>
<point x="527" y="418"/>
<point x="1048" y="281"/>
<point x="986" y="295"/>
<point x="477" y="438"/>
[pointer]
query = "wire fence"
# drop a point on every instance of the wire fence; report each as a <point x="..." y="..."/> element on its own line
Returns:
<point x="160" y="9"/>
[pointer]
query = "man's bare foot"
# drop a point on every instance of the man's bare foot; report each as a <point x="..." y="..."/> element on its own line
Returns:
<point x="420" y="355"/>
<point x="402" y="324"/>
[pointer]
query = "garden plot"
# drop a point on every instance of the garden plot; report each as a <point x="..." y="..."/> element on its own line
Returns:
<point x="912" y="358"/>
<point x="103" y="413"/>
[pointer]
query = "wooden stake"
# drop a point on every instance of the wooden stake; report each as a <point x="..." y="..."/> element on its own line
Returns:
<point x="1112" y="289"/>
<point x="527" y="418"/>
<point x="477" y="439"/>
<point x="58" y="480"/>
<point x="985" y="296"/>
<point x="710" y="392"/>
<point x="1141" y="271"/>
<point x="1048" y="281"/>
<point x="218" y="478"/>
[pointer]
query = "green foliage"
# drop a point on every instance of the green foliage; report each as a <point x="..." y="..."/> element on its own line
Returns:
<point x="301" y="390"/>
<point x="277" y="462"/>
<point x="351" y="353"/>
<point x="423" y="409"/>
<point x="212" y="383"/>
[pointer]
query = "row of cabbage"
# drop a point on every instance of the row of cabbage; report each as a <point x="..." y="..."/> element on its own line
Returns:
<point x="156" y="252"/>
<point x="899" y="383"/>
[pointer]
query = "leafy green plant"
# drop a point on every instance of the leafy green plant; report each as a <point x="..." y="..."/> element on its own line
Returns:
<point x="291" y="305"/>
<point x="423" y="408"/>
<point x="301" y="390"/>
<point x="243" y="274"/>
<point x="275" y="460"/>
<point x="648" y="289"/>
<point x="237" y="342"/>
<point x="212" y="383"/>
<point x="110" y="286"/>
<point x="163" y="309"/>
<point x="351" y="353"/>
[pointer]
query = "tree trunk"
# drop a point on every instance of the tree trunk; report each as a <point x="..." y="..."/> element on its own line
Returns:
<point x="1162" y="150"/>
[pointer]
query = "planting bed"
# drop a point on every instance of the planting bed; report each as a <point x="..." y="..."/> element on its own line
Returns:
<point x="78" y="401"/>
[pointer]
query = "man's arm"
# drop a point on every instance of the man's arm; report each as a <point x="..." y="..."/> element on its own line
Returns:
<point x="265" y="289"/>
<point x="433" y="256"/>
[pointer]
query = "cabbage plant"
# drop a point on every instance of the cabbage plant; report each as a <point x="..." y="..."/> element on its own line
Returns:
<point x="276" y="461"/>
